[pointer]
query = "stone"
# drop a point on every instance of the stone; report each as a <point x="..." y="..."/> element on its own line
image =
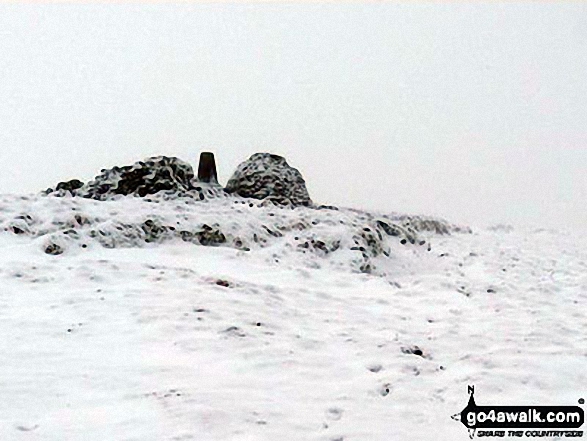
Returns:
<point x="270" y="177"/>
<point x="70" y="186"/>
<point x="53" y="249"/>
<point x="209" y="236"/>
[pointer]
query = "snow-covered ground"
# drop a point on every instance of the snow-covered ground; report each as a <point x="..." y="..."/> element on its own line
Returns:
<point x="270" y="339"/>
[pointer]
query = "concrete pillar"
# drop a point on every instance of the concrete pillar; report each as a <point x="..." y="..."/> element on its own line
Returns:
<point x="207" y="168"/>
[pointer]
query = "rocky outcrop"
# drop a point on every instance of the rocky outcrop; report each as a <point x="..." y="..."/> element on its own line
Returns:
<point x="70" y="186"/>
<point x="270" y="177"/>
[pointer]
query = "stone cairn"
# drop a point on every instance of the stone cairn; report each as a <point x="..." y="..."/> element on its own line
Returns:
<point x="270" y="177"/>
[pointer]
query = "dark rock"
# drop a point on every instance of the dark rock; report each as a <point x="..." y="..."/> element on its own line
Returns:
<point x="53" y="249"/>
<point x="415" y="350"/>
<point x="154" y="231"/>
<point x="209" y="236"/>
<point x="186" y="236"/>
<point x="366" y="268"/>
<point x="267" y="176"/>
<point x="70" y="186"/>
<point x="81" y="220"/>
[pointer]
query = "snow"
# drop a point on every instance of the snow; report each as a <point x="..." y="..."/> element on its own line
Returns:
<point x="171" y="340"/>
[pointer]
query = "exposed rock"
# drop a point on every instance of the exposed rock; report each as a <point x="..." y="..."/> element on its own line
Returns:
<point x="53" y="249"/>
<point x="63" y="188"/>
<point x="415" y="350"/>
<point x="70" y="186"/>
<point x="267" y="176"/>
<point x="210" y="236"/>
<point x="154" y="231"/>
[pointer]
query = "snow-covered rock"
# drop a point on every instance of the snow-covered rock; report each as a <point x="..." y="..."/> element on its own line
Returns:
<point x="270" y="177"/>
<point x="350" y="239"/>
<point x="142" y="178"/>
<point x="70" y="186"/>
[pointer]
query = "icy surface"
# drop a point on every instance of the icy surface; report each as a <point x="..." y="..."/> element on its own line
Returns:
<point x="171" y="340"/>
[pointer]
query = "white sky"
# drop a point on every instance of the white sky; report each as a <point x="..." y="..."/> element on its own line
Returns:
<point x="477" y="113"/>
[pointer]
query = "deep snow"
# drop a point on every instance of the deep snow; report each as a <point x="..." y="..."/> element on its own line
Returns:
<point x="272" y="340"/>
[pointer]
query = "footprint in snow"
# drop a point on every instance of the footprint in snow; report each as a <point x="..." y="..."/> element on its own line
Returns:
<point x="234" y="331"/>
<point x="167" y="394"/>
<point x="334" y="413"/>
<point x="27" y="428"/>
<point x="376" y="367"/>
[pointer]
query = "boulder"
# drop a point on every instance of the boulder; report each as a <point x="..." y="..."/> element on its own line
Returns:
<point x="70" y="186"/>
<point x="66" y="187"/>
<point x="270" y="177"/>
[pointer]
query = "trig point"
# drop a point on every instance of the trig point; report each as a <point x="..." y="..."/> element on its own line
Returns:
<point x="207" y="168"/>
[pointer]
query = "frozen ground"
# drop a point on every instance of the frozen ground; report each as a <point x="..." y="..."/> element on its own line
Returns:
<point x="275" y="340"/>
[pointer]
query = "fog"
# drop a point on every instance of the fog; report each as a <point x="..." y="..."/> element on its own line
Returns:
<point x="476" y="113"/>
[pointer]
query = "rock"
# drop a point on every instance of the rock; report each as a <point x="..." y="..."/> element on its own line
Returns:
<point x="53" y="249"/>
<point x="209" y="236"/>
<point x="65" y="188"/>
<point x="415" y="350"/>
<point x="267" y="176"/>
<point x="154" y="231"/>
<point x="70" y="186"/>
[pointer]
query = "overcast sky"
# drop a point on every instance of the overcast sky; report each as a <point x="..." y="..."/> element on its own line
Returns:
<point x="477" y="113"/>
